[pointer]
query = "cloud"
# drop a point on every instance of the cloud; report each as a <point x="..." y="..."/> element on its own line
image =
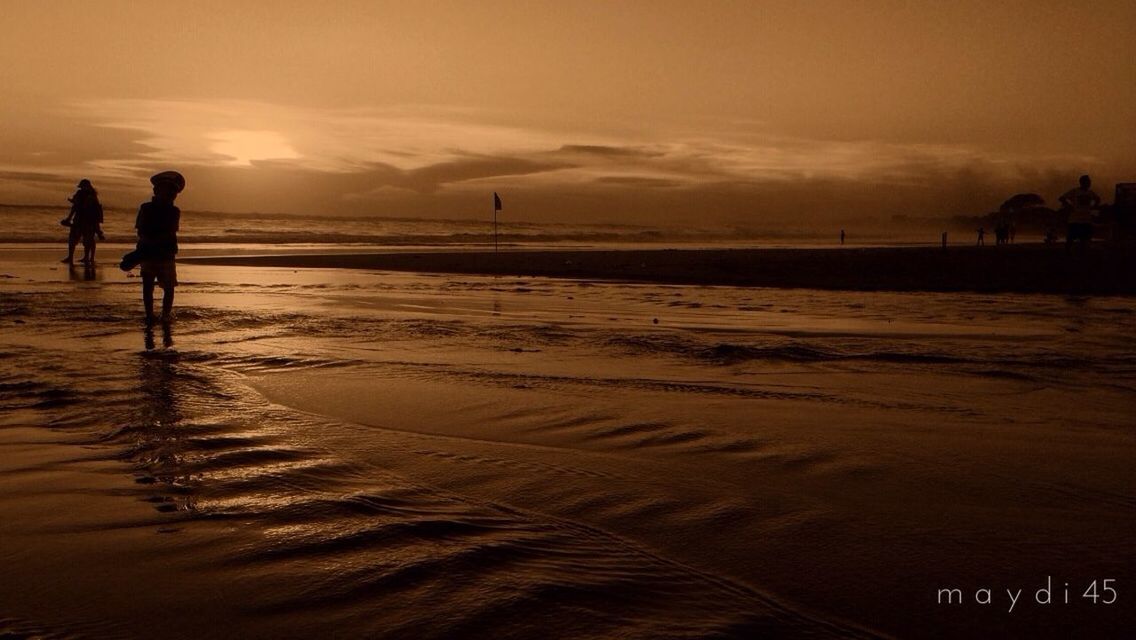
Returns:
<point x="637" y="181"/>
<point x="247" y="156"/>
<point x="431" y="178"/>
<point x="610" y="151"/>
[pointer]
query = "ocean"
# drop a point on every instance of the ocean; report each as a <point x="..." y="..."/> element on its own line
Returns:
<point x="33" y="224"/>
<point x="339" y="453"/>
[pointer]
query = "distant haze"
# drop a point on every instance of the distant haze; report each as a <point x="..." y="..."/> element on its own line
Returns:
<point x="638" y="112"/>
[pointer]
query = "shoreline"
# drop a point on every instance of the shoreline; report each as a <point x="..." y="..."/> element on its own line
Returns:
<point x="1037" y="268"/>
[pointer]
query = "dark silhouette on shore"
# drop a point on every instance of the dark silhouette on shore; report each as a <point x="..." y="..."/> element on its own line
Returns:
<point x="1124" y="213"/>
<point x="1024" y="268"/>
<point x="85" y="221"/>
<point x="1025" y="210"/>
<point x="157" y="224"/>
<point x="1003" y="232"/>
<point x="981" y="236"/>
<point x="1080" y="202"/>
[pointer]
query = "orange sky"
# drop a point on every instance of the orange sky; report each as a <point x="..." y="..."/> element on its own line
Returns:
<point x="618" y="111"/>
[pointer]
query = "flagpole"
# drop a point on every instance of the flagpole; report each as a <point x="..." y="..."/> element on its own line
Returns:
<point x="496" y="208"/>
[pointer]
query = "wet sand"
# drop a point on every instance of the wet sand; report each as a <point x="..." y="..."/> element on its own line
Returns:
<point x="1014" y="268"/>
<point x="372" y="454"/>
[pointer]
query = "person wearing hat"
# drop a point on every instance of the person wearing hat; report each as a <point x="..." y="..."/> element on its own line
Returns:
<point x="85" y="220"/>
<point x="157" y="226"/>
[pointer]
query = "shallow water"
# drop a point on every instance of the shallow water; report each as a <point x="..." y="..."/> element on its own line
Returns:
<point x="357" y="454"/>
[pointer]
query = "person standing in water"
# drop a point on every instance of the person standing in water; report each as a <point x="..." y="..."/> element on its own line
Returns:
<point x="157" y="226"/>
<point x="1080" y="202"/>
<point x="85" y="221"/>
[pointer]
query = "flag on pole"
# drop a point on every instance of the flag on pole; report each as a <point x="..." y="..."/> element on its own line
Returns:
<point x="496" y="202"/>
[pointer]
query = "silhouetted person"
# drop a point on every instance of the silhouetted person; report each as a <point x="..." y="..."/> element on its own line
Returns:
<point x="72" y="232"/>
<point x="1124" y="212"/>
<point x="944" y="238"/>
<point x="842" y="236"/>
<point x="1002" y="233"/>
<point x="85" y="220"/>
<point x="981" y="236"/>
<point x="1080" y="202"/>
<point x="157" y="226"/>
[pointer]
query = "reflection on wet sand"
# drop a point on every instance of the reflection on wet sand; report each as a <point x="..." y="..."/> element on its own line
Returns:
<point x="159" y="450"/>
<point x="84" y="273"/>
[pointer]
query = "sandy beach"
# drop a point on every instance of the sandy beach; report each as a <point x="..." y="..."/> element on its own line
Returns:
<point x="1020" y="268"/>
<point x="500" y="320"/>
<point x="360" y="453"/>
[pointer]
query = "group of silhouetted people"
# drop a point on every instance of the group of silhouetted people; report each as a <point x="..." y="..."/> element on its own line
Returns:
<point x="85" y="221"/>
<point x="1079" y="203"/>
<point x="157" y="226"/>
<point x="1004" y="233"/>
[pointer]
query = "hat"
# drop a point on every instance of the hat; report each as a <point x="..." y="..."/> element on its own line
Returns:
<point x="169" y="177"/>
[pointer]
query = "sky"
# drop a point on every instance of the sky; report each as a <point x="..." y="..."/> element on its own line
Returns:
<point x="632" y="112"/>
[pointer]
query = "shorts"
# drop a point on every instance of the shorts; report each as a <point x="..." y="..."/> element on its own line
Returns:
<point x="164" y="271"/>
<point x="1079" y="231"/>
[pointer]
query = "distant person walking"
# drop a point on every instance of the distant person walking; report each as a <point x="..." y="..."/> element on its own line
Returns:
<point x="85" y="221"/>
<point x="157" y="226"/>
<point x="981" y="236"/>
<point x="1080" y="203"/>
<point x="842" y="236"/>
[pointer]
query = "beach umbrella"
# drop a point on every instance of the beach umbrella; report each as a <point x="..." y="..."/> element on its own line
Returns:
<point x="1021" y="201"/>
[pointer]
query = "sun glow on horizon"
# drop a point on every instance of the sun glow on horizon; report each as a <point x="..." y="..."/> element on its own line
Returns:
<point x="245" y="146"/>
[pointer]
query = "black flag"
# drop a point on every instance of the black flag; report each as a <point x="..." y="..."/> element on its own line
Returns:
<point x="496" y="202"/>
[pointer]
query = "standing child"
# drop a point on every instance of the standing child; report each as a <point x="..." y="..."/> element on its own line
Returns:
<point x="157" y="226"/>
